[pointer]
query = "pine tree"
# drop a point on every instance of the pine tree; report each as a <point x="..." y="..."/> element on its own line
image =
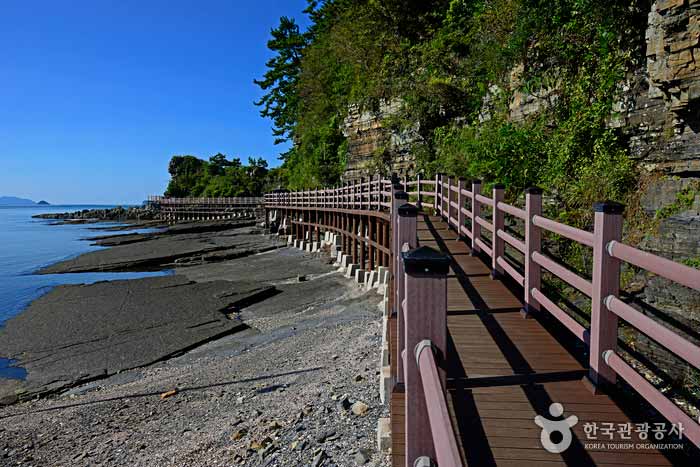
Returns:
<point x="281" y="99"/>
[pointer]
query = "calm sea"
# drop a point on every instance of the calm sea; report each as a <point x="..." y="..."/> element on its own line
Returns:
<point x="28" y="244"/>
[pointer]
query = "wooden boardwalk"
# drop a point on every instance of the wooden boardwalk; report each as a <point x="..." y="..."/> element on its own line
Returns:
<point x="503" y="370"/>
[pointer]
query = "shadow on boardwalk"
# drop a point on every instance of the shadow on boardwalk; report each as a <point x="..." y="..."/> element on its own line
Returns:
<point x="504" y="370"/>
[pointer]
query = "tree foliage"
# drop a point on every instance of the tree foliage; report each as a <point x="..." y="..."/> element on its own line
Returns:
<point x="191" y="176"/>
<point x="444" y="61"/>
<point x="280" y="101"/>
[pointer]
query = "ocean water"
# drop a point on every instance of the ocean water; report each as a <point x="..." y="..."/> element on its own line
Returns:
<point x="27" y="245"/>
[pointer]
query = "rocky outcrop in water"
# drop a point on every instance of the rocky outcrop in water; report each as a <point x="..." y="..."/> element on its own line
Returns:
<point x="138" y="213"/>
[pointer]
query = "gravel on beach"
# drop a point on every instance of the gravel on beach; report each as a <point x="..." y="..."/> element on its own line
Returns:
<point x="297" y="386"/>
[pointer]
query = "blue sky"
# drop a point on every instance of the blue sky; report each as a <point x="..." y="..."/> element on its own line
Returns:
<point x="97" y="95"/>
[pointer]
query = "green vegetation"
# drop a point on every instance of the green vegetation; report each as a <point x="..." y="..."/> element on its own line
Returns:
<point x="190" y="176"/>
<point x="443" y="61"/>
<point x="684" y="200"/>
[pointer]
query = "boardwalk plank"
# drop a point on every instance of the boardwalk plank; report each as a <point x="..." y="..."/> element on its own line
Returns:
<point x="503" y="370"/>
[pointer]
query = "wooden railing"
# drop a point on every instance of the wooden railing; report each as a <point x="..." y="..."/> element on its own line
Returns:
<point x="205" y="209"/>
<point x="371" y="195"/>
<point x="421" y="310"/>
<point x="603" y="290"/>
<point x="419" y="285"/>
<point x="195" y="201"/>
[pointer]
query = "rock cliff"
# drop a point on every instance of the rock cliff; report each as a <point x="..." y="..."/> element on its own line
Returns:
<point x="659" y="113"/>
<point x="662" y="120"/>
<point x="371" y="147"/>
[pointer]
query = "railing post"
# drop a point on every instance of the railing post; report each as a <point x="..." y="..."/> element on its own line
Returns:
<point x="407" y="240"/>
<point x="425" y="312"/>
<point x="606" y="282"/>
<point x="437" y="187"/>
<point x="460" y="202"/>
<point x="399" y="198"/>
<point x="353" y="192"/>
<point x="362" y="191"/>
<point x="476" y="211"/>
<point x="533" y="243"/>
<point x="449" y="200"/>
<point x="419" y="202"/>
<point x="498" y="221"/>
<point x="443" y="177"/>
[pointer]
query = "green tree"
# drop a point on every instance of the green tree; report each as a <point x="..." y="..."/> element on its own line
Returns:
<point x="187" y="174"/>
<point x="217" y="164"/>
<point x="191" y="176"/>
<point x="280" y="101"/>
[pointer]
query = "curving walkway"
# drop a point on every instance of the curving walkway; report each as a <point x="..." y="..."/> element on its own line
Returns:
<point x="504" y="370"/>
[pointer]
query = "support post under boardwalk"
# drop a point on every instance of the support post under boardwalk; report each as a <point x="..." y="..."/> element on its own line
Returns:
<point x="606" y="282"/>
<point x="370" y="243"/>
<point x="407" y="240"/>
<point x="425" y="318"/>
<point x="362" y="241"/>
<point x="353" y="232"/>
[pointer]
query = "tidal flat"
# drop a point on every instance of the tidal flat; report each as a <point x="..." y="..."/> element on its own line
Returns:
<point x="264" y="351"/>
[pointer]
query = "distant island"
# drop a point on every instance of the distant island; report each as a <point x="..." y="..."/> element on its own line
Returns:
<point x="14" y="201"/>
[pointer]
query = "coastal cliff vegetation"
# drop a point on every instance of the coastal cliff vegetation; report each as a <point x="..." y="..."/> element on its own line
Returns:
<point x="457" y="67"/>
<point x="519" y="92"/>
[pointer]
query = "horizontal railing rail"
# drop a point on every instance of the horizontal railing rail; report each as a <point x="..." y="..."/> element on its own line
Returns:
<point x="444" y="439"/>
<point x="164" y="200"/>
<point x="603" y="289"/>
<point x="421" y="295"/>
<point x="481" y="218"/>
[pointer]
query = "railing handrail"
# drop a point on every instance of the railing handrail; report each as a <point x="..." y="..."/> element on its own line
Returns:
<point x="446" y="449"/>
<point x="459" y="201"/>
<point x="676" y="272"/>
<point x="534" y="260"/>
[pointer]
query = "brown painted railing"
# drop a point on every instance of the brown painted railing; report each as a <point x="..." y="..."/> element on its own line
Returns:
<point x="420" y="285"/>
<point x="419" y="280"/>
<point x="606" y="306"/>
<point x="191" y="208"/>
<point x="421" y="306"/>
<point x="230" y="201"/>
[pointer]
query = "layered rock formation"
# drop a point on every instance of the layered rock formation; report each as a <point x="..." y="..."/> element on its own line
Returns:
<point x="372" y="148"/>
<point x="659" y="113"/>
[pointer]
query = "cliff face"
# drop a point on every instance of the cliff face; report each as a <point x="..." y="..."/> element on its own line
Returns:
<point x="660" y="115"/>
<point x="663" y="122"/>
<point x="371" y="147"/>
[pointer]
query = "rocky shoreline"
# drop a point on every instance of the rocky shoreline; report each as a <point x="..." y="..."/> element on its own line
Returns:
<point x="118" y="214"/>
<point x="248" y="353"/>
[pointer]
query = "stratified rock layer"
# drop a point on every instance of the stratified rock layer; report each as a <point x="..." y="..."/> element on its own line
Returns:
<point x="82" y="332"/>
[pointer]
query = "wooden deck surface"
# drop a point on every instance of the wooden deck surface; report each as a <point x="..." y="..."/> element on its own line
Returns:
<point x="504" y="370"/>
